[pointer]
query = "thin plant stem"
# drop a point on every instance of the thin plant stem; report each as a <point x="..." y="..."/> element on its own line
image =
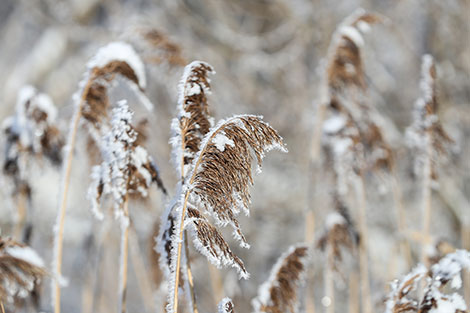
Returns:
<point x="401" y="218"/>
<point x="124" y="261"/>
<point x="21" y="209"/>
<point x="426" y="198"/>
<point x="363" y="248"/>
<point x="329" y="282"/>
<point x="353" y="302"/>
<point x="59" y="227"/>
<point x="216" y="283"/>
<point x="190" y="274"/>
<point x="1" y="306"/>
<point x="465" y="234"/>
<point x="140" y="271"/>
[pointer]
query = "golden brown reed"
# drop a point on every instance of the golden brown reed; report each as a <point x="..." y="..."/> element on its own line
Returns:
<point x="95" y="94"/>
<point x="195" y="124"/>
<point x="221" y="178"/>
<point x="283" y="289"/>
<point x="167" y="51"/>
<point x="16" y="274"/>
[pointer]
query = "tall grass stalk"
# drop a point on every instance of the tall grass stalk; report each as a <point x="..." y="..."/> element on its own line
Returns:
<point x="124" y="259"/>
<point x="426" y="196"/>
<point x="59" y="226"/>
<point x="363" y="247"/>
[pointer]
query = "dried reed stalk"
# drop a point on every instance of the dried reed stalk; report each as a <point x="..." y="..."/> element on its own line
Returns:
<point x="116" y="59"/>
<point x="427" y="136"/>
<point x="124" y="260"/>
<point x="140" y="270"/>
<point x="351" y="134"/>
<point x="329" y="280"/>
<point x="339" y="232"/>
<point x="279" y="294"/>
<point x="218" y="183"/>
<point x="364" y="235"/>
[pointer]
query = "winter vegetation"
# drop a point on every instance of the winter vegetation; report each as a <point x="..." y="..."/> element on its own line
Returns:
<point x="235" y="156"/>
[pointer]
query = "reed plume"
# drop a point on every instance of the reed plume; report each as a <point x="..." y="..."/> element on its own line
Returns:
<point x="117" y="59"/>
<point x="280" y="293"/>
<point x="31" y="134"/>
<point x="226" y="306"/>
<point x="126" y="169"/>
<point x="404" y="296"/>
<point x="21" y="271"/>
<point x="217" y="182"/>
<point x="428" y="138"/>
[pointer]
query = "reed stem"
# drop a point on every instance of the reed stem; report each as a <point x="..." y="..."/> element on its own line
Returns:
<point x="189" y="274"/>
<point x="124" y="261"/>
<point x="59" y="226"/>
<point x="363" y="247"/>
<point x="426" y="198"/>
<point x="329" y="281"/>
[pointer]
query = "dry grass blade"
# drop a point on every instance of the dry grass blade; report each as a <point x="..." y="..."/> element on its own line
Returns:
<point x="226" y="306"/>
<point x="21" y="270"/>
<point x="280" y="293"/>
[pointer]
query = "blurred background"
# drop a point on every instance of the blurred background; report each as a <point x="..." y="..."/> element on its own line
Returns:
<point x="268" y="56"/>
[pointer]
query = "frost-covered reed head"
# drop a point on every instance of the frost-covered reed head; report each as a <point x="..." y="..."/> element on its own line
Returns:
<point x="193" y="119"/>
<point x="21" y="270"/>
<point x="127" y="167"/>
<point x="225" y="306"/>
<point x="117" y="59"/>
<point x="279" y="294"/>
<point x="339" y="232"/>
<point x="345" y="67"/>
<point x="163" y="49"/>
<point x="426" y="128"/>
<point x="220" y="180"/>
<point x="404" y="296"/>
<point x="31" y="133"/>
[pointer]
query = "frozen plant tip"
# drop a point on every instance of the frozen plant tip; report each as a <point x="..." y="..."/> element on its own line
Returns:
<point x="280" y="293"/>
<point x="225" y="306"/>
<point x="404" y="295"/>
<point x="21" y="270"/>
<point x="127" y="167"/>
<point x="114" y="60"/>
